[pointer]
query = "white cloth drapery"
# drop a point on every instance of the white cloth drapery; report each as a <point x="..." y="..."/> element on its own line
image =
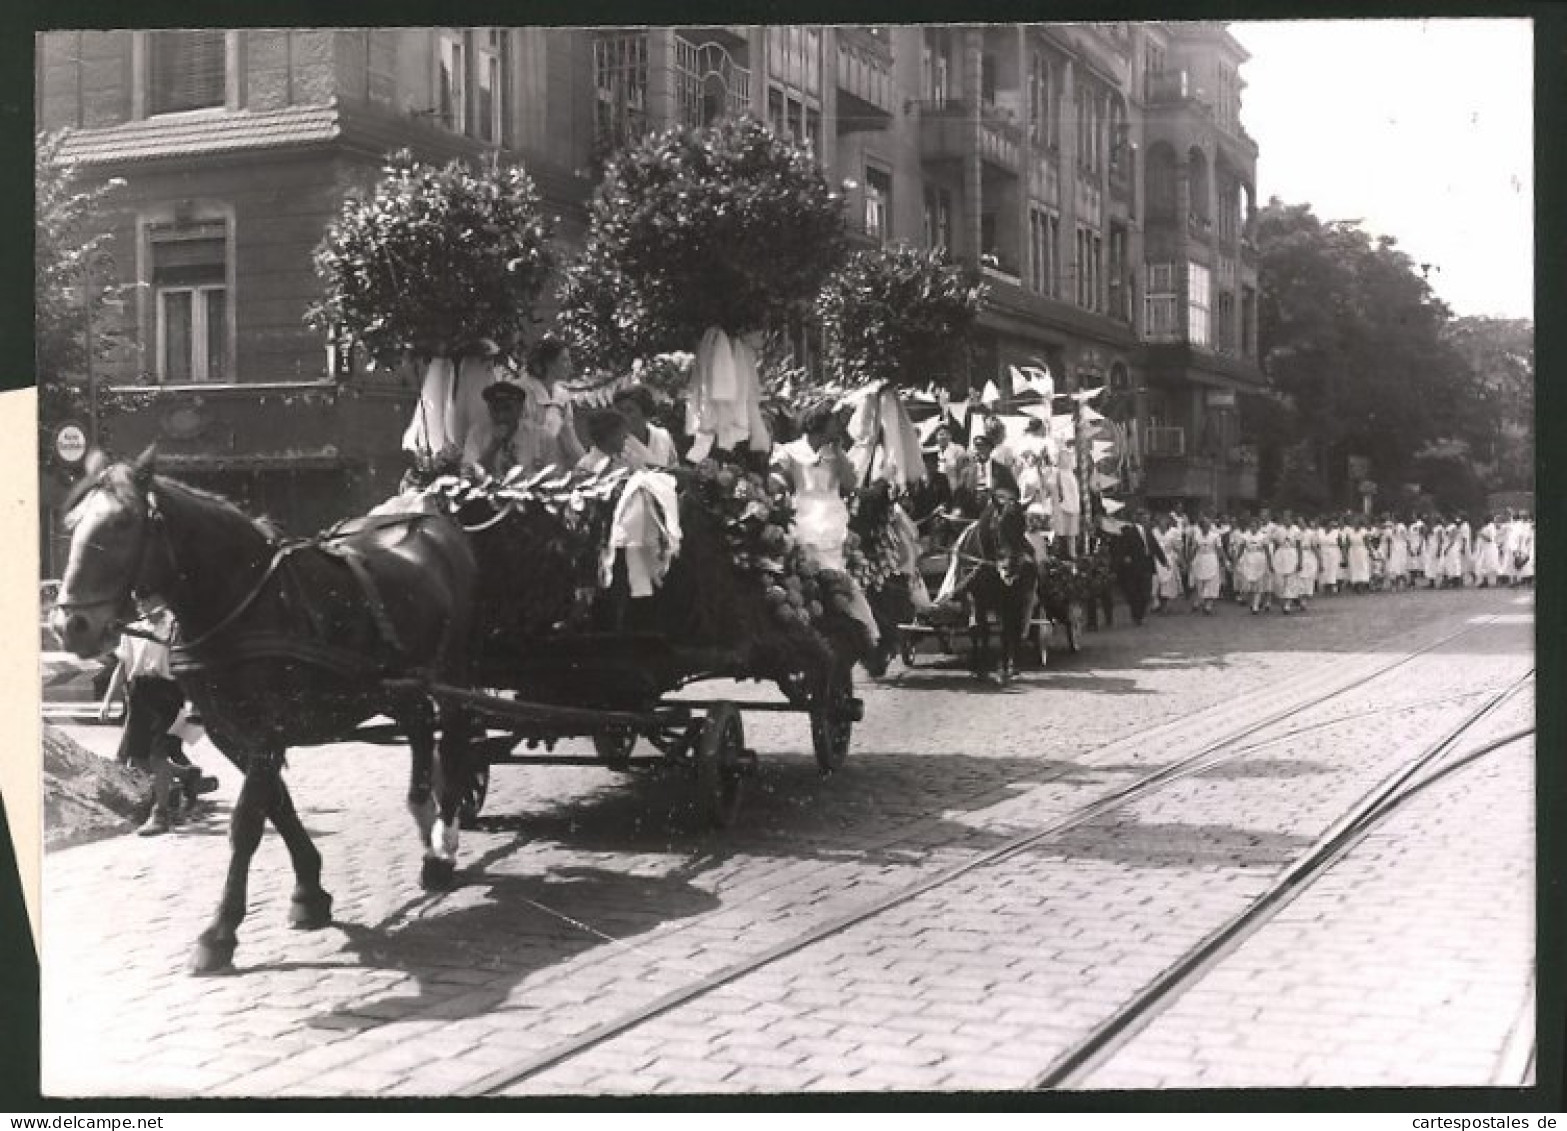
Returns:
<point x="725" y="406"/>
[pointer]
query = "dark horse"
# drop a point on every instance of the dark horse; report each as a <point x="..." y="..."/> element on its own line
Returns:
<point x="998" y="574"/>
<point x="282" y="644"/>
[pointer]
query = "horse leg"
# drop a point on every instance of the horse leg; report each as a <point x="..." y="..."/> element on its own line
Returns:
<point x="310" y="906"/>
<point x="419" y="724"/>
<point x="451" y="768"/>
<point x="214" y="951"/>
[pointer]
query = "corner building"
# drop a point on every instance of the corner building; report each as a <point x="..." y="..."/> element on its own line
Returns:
<point x="1096" y="174"/>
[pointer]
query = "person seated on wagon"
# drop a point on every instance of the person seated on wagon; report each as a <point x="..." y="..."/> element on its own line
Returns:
<point x="607" y="432"/>
<point x="647" y="445"/>
<point x="495" y="446"/>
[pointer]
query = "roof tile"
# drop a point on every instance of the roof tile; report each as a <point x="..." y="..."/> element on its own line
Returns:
<point x="170" y="135"/>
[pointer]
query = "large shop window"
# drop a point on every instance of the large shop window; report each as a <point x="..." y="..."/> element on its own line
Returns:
<point x="1198" y="285"/>
<point x="187" y="70"/>
<point x="620" y="69"/>
<point x="190" y="286"/>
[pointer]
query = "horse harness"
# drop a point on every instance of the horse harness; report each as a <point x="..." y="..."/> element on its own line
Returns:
<point x="190" y="657"/>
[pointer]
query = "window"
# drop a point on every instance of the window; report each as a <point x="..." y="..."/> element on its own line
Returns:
<point x="1248" y="322"/>
<point x="491" y="91"/>
<point x="451" y="84"/>
<point x="1041" y="126"/>
<point x="793" y="117"/>
<point x="987" y="79"/>
<point x="620" y="81"/>
<point x="1120" y="285"/>
<point x="1162" y="191"/>
<point x="190" y="289"/>
<point x="938" y="217"/>
<point x="878" y="203"/>
<point x="187" y="70"/>
<point x="1090" y="251"/>
<point x="1198" y="329"/>
<point x="936" y="66"/>
<point x="1159" y="304"/>
<point x="1224" y="328"/>
<point x="794" y="58"/>
<point x="1045" y="250"/>
<point x="1153" y="64"/>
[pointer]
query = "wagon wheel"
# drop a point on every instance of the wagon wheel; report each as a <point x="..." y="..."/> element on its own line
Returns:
<point x="474" y="792"/>
<point x="832" y="720"/>
<point x="614" y="748"/>
<point x="1076" y="626"/>
<point x="721" y="764"/>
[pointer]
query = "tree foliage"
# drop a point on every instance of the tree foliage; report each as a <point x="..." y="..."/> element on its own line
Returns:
<point x="74" y="279"/>
<point x="1355" y="340"/>
<point x="899" y="315"/>
<point x="437" y="261"/>
<point x="730" y="226"/>
<point x="1499" y="353"/>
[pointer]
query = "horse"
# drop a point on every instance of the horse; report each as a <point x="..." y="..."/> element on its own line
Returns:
<point x="283" y="644"/>
<point x="1001" y="582"/>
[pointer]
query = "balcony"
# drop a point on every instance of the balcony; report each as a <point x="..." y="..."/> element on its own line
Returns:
<point x="1164" y="441"/>
<point x="1176" y="477"/>
<point x="1170" y="87"/>
<point x="950" y="131"/>
<point x="1199" y="227"/>
<point x="865" y="92"/>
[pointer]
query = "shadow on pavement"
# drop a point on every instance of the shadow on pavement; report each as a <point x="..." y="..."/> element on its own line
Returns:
<point x="466" y="962"/>
<point x="1152" y="845"/>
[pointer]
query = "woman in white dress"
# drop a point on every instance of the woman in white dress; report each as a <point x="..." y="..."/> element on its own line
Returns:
<point x="818" y="472"/>
<point x="1436" y="538"/>
<point x="1310" y="560"/>
<point x="1286" y="565"/>
<point x="1253" y="571"/>
<point x="1397" y="555"/>
<point x="1358" y="555"/>
<point x="1330" y="557"/>
<point x="1488" y="557"/>
<point x="1523" y="551"/>
<point x="1169" y="576"/>
<point x="1206" y="572"/>
<point x="1455" y="555"/>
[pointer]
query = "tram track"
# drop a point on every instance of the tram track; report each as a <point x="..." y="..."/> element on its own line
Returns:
<point x="1374" y="807"/>
<point x="1214" y="752"/>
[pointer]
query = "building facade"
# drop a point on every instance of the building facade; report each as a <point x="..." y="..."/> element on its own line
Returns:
<point x="1097" y="174"/>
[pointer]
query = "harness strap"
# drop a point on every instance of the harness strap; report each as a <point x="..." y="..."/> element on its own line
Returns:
<point x="248" y="600"/>
<point x="272" y="646"/>
<point x="354" y="560"/>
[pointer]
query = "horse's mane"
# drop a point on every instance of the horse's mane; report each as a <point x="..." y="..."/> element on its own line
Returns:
<point x="214" y="503"/>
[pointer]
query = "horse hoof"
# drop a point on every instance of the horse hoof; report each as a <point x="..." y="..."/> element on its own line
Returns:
<point x="437" y="875"/>
<point x="310" y="912"/>
<point x="211" y="958"/>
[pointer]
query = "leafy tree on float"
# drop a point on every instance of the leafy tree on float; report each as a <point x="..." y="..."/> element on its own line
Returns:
<point x="73" y="284"/>
<point x="730" y="226"/>
<point x="1353" y="340"/>
<point x="900" y="315"/>
<point x="436" y="262"/>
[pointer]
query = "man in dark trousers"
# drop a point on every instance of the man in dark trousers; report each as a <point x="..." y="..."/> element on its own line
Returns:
<point x="1135" y="552"/>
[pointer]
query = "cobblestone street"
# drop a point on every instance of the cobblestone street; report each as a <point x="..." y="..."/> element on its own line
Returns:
<point x="585" y="895"/>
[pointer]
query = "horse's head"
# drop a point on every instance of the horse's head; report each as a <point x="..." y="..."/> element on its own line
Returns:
<point x="107" y="517"/>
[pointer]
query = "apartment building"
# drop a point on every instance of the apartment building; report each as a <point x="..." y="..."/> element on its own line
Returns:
<point x="1097" y="174"/>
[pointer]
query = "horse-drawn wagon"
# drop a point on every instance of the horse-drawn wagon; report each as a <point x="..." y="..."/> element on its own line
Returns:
<point x="577" y="643"/>
<point x="1034" y="596"/>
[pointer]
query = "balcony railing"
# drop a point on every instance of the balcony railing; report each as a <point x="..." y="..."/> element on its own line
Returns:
<point x="1175" y="86"/>
<point x="1199" y="227"/>
<point x="1164" y="441"/>
<point x="865" y="74"/>
<point x="946" y="131"/>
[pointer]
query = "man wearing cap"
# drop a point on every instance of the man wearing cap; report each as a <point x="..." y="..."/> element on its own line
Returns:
<point x="495" y="445"/>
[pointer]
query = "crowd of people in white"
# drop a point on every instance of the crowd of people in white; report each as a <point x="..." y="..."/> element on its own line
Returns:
<point x="1287" y="562"/>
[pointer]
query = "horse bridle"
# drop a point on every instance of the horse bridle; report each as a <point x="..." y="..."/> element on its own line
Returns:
<point x="152" y="518"/>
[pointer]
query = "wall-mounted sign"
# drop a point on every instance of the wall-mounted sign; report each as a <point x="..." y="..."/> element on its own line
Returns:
<point x="1221" y="398"/>
<point x="70" y="443"/>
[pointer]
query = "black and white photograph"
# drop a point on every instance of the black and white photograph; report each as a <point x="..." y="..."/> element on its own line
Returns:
<point x="786" y="560"/>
